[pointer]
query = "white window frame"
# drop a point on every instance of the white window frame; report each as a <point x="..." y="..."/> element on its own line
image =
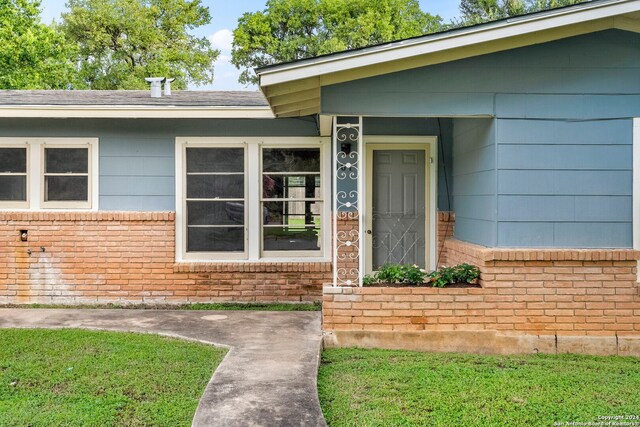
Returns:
<point x="323" y="244"/>
<point x="36" y="167"/>
<point x="181" y="202"/>
<point x="17" y="204"/>
<point x="253" y="191"/>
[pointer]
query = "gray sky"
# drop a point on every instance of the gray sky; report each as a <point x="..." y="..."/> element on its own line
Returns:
<point x="225" y="14"/>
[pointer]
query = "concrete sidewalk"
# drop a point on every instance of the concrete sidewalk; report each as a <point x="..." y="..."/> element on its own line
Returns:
<point x="268" y="378"/>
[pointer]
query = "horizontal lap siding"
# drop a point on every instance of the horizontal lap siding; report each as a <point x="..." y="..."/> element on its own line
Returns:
<point x="137" y="156"/>
<point x="474" y="190"/>
<point x="564" y="183"/>
<point x="558" y="172"/>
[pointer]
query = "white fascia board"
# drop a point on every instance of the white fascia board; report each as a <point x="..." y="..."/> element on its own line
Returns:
<point x="411" y="48"/>
<point x="142" y="112"/>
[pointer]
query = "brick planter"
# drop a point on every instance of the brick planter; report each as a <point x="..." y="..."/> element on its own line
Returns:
<point x="584" y="301"/>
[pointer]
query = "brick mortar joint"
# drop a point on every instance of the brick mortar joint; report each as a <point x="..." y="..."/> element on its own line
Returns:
<point x="89" y="216"/>
<point x="253" y="267"/>
<point x="487" y="254"/>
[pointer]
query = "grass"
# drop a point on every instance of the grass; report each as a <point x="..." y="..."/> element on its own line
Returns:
<point x="88" y="378"/>
<point x="316" y="306"/>
<point x="398" y="388"/>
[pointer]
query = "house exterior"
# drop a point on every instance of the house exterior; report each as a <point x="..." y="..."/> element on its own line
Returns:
<point x="511" y="145"/>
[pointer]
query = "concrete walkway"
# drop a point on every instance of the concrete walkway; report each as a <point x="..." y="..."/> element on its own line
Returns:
<point x="268" y="378"/>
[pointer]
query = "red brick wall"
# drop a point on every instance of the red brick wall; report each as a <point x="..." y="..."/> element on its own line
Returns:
<point x="559" y="293"/>
<point x="120" y="257"/>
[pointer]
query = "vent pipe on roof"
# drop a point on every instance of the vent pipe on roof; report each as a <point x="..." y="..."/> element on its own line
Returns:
<point x="167" y="86"/>
<point x="156" y="88"/>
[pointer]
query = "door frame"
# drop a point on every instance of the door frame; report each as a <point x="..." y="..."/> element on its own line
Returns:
<point x="399" y="142"/>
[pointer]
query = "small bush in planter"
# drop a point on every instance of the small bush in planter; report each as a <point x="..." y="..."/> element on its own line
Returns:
<point x="396" y="274"/>
<point x="462" y="273"/>
<point x="414" y="275"/>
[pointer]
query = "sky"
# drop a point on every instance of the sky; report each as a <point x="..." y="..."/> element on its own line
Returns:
<point x="225" y="14"/>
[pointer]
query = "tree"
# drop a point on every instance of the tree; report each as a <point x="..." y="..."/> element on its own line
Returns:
<point x="32" y="55"/>
<point x="478" y="11"/>
<point x="120" y="42"/>
<point x="288" y="30"/>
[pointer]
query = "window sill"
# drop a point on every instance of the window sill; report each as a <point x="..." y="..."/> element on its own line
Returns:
<point x="262" y="266"/>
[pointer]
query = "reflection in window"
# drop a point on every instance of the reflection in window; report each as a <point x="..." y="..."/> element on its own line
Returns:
<point x="215" y="200"/>
<point x="291" y="199"/>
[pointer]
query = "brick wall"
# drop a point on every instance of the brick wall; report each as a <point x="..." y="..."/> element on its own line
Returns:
<point x="348" y="247"/>
<point x="446" y="223"/>
<point x="129" y="257"/>
<point x="531" y="300"/>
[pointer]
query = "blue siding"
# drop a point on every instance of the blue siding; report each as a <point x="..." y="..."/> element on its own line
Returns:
<point x="137" y="156"/>
<point x="474" y="175"/>
<point x="590" y="76"/>
<point x="558" y="177"/>
<point x="559" y="171"/>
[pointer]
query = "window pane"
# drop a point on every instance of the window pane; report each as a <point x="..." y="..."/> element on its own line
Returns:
<point x="66" y="188"/>
<point x="291" y="160"/>
<point x="212" y="186"/>
<point x="215" y="160"/>
<point x="292" y="213"/>
<point x="215" y="213"/>
<point x="291" y="186"/>
<point x="291" y="239"/>
<point x="225" y="239"/>
<point x="13" y="187"/>
<point x="67" y="160"/>
<point x="13" y="160"/>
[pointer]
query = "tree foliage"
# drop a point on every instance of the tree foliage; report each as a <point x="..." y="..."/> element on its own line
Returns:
<point x="32" y="55"/>
<point x="478" y="11"/>
<point x="288" y="30"/>
<point x="120" y="42"/>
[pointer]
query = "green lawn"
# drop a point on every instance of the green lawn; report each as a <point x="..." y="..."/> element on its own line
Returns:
<point x="396" y="388"/>
<point x="87" y="378"/>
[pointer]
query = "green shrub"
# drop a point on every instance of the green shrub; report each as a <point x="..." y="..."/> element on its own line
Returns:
<point x="414" y="275"/>
<point x="462" y="273"/>
<point x="396" y="273"/>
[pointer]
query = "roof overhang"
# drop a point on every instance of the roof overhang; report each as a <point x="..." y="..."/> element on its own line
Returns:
<point x="134" y="112"/>
<point x="293" y="89"/>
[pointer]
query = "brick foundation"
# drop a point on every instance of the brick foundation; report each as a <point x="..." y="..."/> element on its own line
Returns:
<point x="584" y="301"/>
<point x="129" y="257"/>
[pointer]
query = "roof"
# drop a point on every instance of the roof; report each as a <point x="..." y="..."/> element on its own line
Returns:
<point x="293" y="88"/>
<point x="133" y="104"/>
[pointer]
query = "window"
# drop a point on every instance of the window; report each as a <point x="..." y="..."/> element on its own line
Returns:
<point x="66" y="175"/>
<point x="215" y="200"/>
<point x="52" y="173"/>
<point x="251" y="198"/>
<point x="13" y="177"/>
<point x="291" y="199"/>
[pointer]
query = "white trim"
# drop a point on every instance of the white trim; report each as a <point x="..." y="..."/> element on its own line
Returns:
<point x="134" y="112"/>
<point x="432" y="165"/>
<point x="253" y="177"/>
<point x="636" y="187"/>
<point x="35" y="172"/>
<point x="464" y="38"/>
<point x="17" y="204"/>
<point x="181" y="200"/>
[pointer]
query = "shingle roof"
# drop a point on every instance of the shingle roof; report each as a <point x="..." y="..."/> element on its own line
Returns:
<point x="184" y="98"/>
